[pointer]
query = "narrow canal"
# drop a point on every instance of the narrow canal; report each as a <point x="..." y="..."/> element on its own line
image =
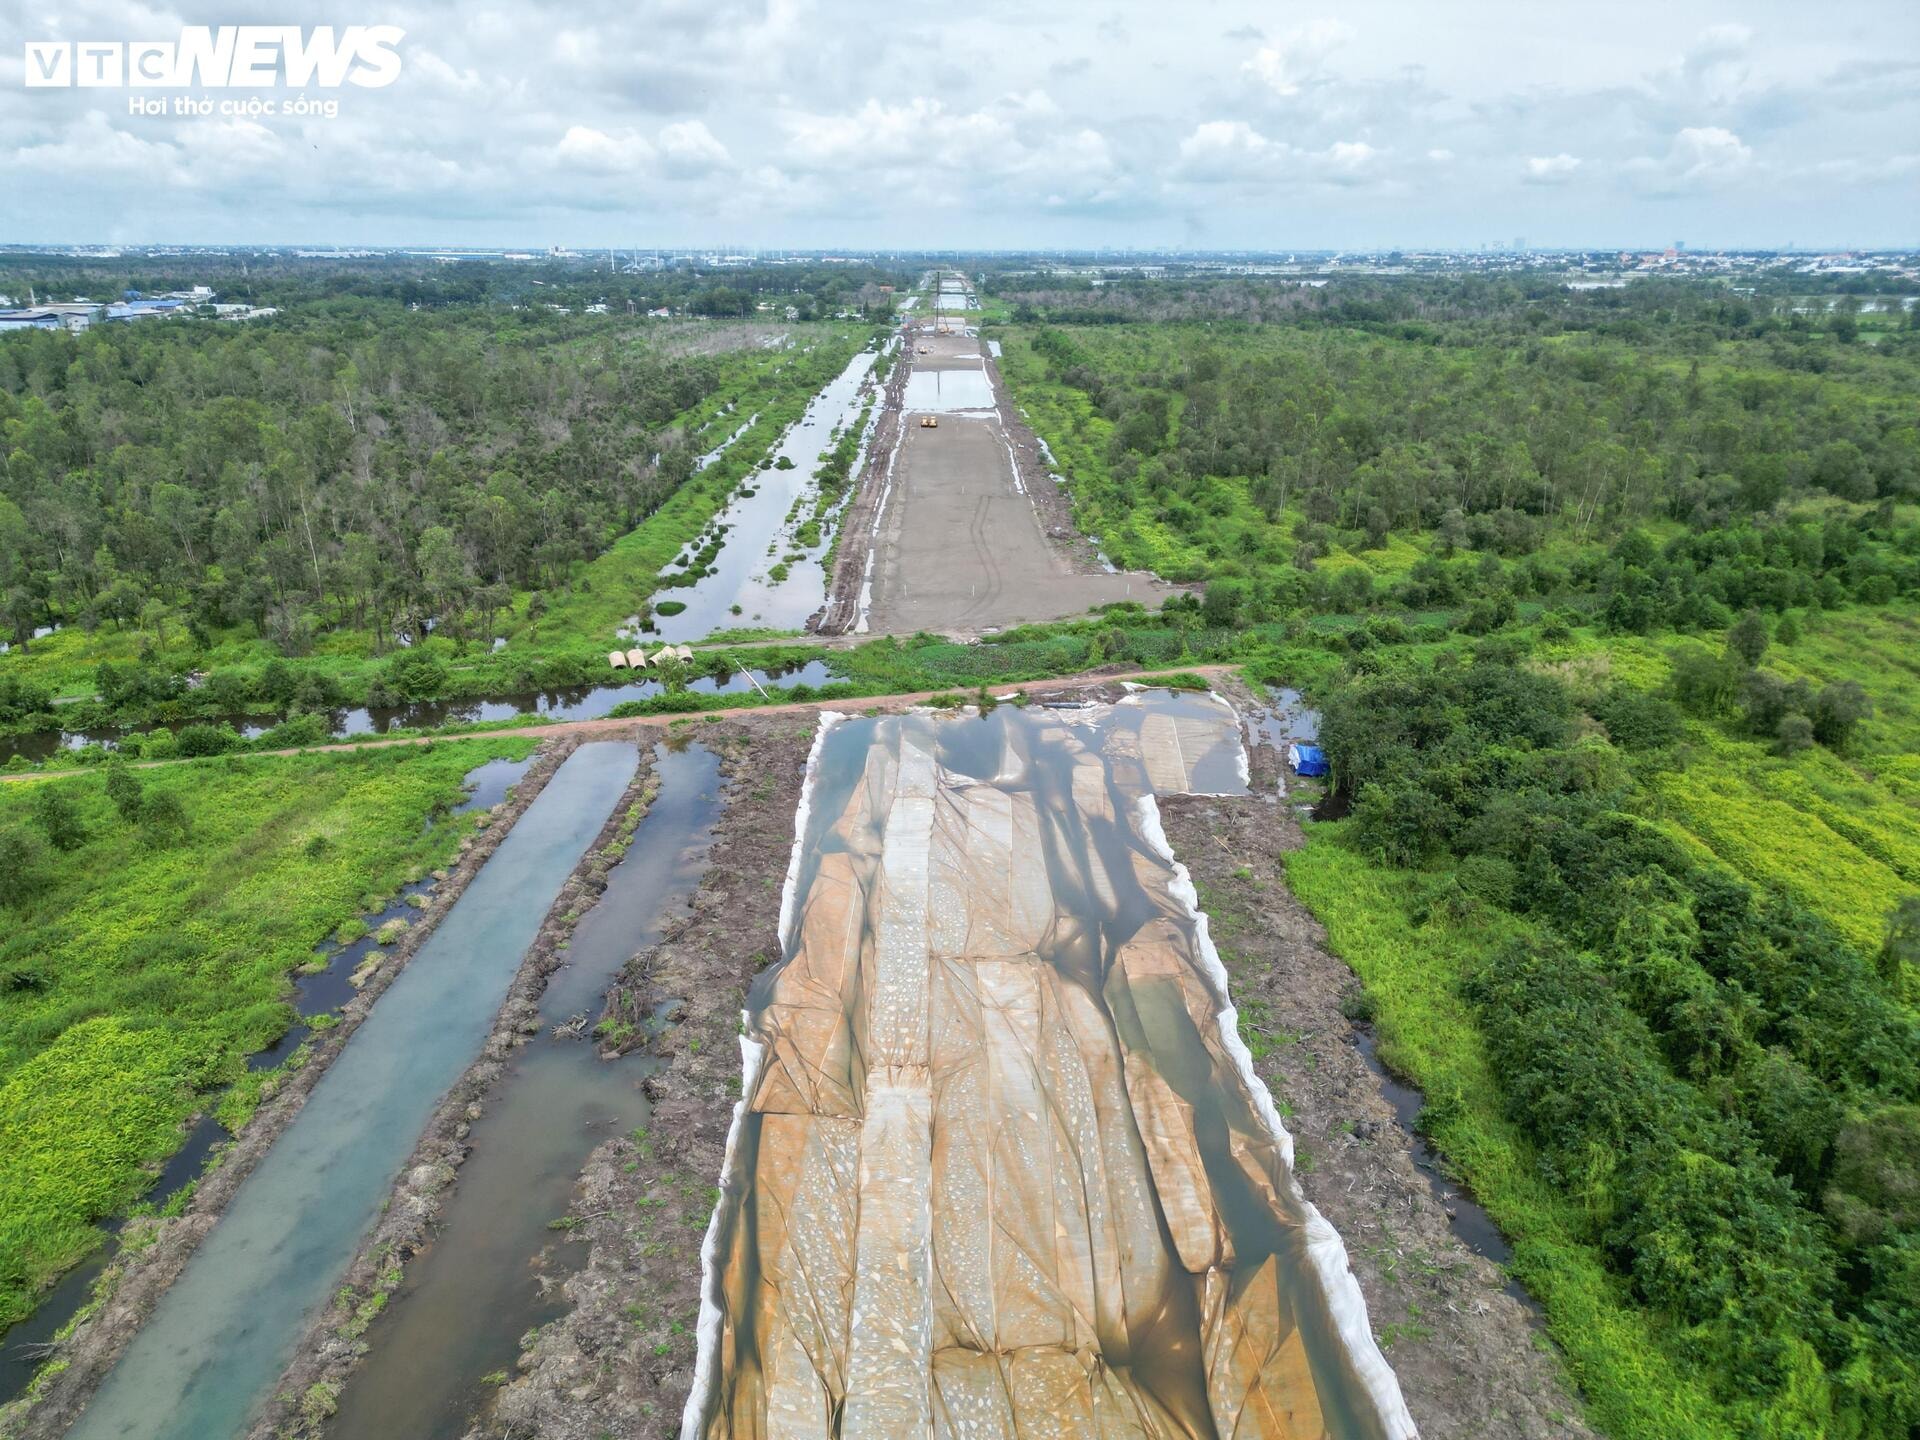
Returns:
<point x="320" y="989"/>
<point x="222" y="1333"/>
<point x="466" y="1302"/>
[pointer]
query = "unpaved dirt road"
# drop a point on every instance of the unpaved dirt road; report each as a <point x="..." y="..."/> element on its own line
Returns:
<point x="972" y="532"/>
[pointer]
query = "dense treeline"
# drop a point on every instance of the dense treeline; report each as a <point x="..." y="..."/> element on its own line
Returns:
<point x="379" y="471"/>
<point x="1516" y="305"/>
<point x="1724" y="1088"/>
<point x="1373" y="436"/>
<point x="815" y="290"/>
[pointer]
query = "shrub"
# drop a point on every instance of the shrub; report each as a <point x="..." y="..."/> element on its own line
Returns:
<point x="1638" y="721"/>
<point x="416" y="675"/>
<point x="197" y="740"/>
<point x="1837" y="711"/>
<point x="22" y="858"/>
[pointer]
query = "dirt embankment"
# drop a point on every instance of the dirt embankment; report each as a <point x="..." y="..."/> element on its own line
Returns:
<point x="154" y="1251"/>
<point x="621" y="1362"/>
<point x="333" y="1346"/>
<point x="842" y="608"/>
<point x="1052" y="506"/>
<point x="1472" y="1360"/>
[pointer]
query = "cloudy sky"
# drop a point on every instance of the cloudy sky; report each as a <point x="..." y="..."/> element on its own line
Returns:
<point x="821" y="123"/>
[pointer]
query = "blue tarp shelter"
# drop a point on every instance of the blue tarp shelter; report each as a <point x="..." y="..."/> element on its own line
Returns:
<point x="1306" y="759"/>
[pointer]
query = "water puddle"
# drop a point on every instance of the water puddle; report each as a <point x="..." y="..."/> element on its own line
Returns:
<point x="757" y="530"/>
<point x="322" y="988"/>
<point x="948" y="391"/>
<point x="1004" y="1164"/>
<point x="223" y="1331"/>
<point x="1470" y="1224"/>
<point x="469" y="1298"/>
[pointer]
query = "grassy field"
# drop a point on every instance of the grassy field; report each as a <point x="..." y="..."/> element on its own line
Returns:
<point x="1840" y="833"/>
<point x="141" y="965"/>
<point x="1837" y="832"/>
<point x="1412" y="963"/>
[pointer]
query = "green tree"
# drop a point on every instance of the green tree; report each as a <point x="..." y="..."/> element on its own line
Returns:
<point x="1901" y="948"/>
<point x="123" y="789"/>
<point x="165" y="818"/>
<point x="22" y="865"/>
<point x="56" y="813"/>
<point x="1837" y="712"/>
<point x="1748" y="638"/>
<point x="1793" y="733"/>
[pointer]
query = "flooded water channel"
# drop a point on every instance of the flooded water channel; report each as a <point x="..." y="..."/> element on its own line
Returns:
<point x="322" y="988"/>
<point x="467" y="1301"/>
<point x="1004" y="1165"/>
<point x="759" y="524"/>
<point x="223" y="1331"/>
<point x="584" y="702"/>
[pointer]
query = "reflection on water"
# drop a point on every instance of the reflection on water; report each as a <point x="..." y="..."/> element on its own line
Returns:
<point x="467" y="1301"/>
<point x="1003" y="1160"/>
<point x="946" y="391"/>
<point x="223" y="1331"/>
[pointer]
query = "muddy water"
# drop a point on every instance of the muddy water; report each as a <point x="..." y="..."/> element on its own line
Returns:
<point x="467" y="1301"/>
<point x="759" y="533"/>
<point x="323" y="987"/>
<point x="222" y="1332"/>
<point x="1003" y="1162"/>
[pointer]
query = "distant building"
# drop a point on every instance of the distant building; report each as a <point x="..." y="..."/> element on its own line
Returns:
<point x="143" y="309"/>
<point x="28" y="320"/>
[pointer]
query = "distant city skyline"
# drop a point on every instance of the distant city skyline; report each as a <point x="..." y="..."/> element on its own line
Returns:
<point x="813" y="124"/>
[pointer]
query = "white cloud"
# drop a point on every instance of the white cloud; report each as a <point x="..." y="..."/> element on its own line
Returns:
<point x="752" y="119"/>
<point x="690" y="148"/>
<point x="1351" y="156"/>
<point x="596" y="152"/>
<point x="1708" y="152"/>
<point x="1299" y="57"/>
<point x="1550" y="169"/>
<point x="1699" y="158"/>
<point x="1228" y="150"/>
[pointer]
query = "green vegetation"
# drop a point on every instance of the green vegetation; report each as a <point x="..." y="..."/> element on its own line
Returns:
<point x="151" y="920"/>
<point x="1639" y="961"/>
<point x="1611" y="604"/>
<point x="223" y="519"/>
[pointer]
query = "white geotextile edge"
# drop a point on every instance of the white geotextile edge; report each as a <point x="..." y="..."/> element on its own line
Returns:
<point x="1324" y="1247"/>
<point x="863" y="605"/>
<point x="752" y="1057"/>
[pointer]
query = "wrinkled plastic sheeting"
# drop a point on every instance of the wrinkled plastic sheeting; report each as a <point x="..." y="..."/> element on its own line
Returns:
<point x="981" y="1201"/>
<point x="1258" y="1379"/>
